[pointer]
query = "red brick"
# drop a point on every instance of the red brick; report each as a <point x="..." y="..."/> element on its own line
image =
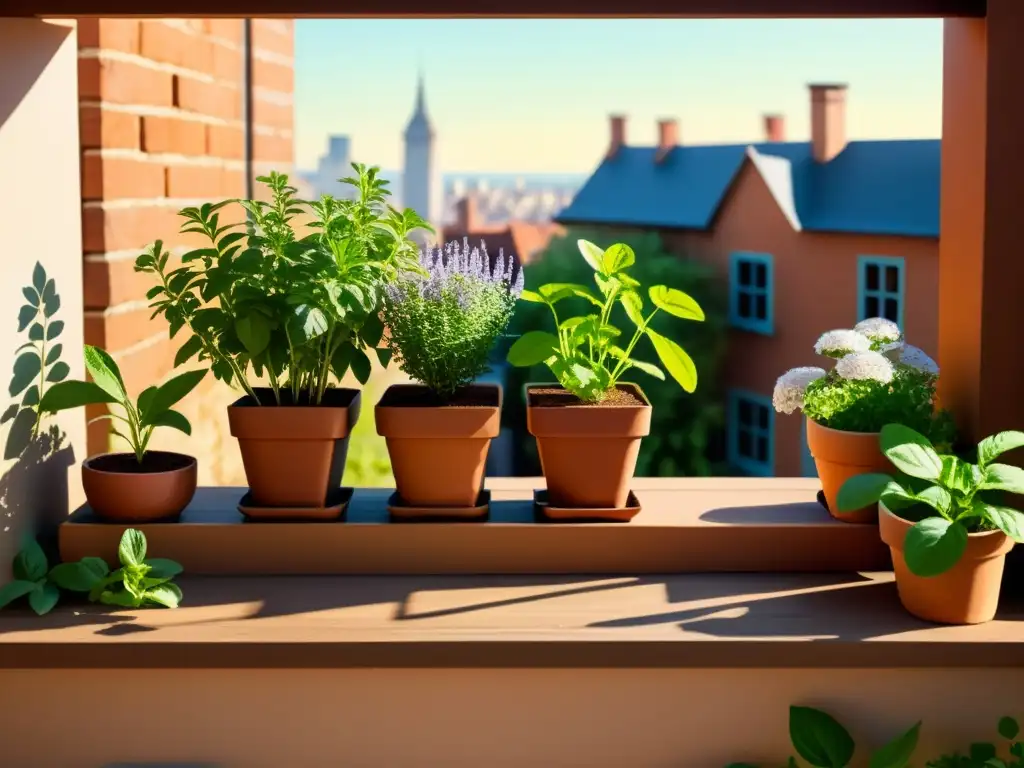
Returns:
<point x="111" y="178"/>
<point x="225" y="141"/>
<point x="273" y="148"/>
<point x="207" y="98"/>
<point x="173" y="136"/>
<point x="172" y="45"/>
<point x="103" y="128"/>
<point x="109" y="34"/>
<point x="233" y="183"/>
<point x="228" y="29"/>
<point x="125" y="229"/>
<point x="225" y="63"/>
<point x="273" y="76"/>
<point x="267" y="37"/>
<point x="123" y="329"/>
<point x="207" y="182"/>
<point x="123" y="82"/>
<point x="272" y="115"/>
<point x="109" y="283"/>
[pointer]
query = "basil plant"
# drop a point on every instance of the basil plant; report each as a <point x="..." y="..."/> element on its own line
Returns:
<point x="944" y="496"/>
<point x="587" y="353"/>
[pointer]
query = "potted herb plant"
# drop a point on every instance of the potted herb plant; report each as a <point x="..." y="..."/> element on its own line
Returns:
<point x="947" y="534"/>
<point x="283" y="307"/>
<point x="589" y="426"/>
<point x="441" y="325"/>
<point x="143" y="485"/>
<point x="877" y="379"/>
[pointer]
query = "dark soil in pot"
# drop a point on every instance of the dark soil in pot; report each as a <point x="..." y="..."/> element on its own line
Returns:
<point x="439" y="447"/>
<point x="294" y="454"/>
<point x="588" y="451"/>
<point x="121" y="489"/>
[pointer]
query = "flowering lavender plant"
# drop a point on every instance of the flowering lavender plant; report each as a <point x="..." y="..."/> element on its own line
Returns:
<point x="877" y="379"/>
<point x="444" y="320"/>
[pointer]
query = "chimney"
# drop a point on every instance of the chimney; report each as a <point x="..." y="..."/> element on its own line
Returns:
<point x="618" y="134"/>
<point x="668" y="137"/>
<point x="828" y="120"/>
<point x="466" y="214"/>
<point x="774" y="128"/>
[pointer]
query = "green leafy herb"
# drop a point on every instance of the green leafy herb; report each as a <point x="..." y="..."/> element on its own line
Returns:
<point x="268" y="303"/>
<point x="985" y="754"/>
<point x="137" y="583"/>
<point x="952" y="492"/>
<point x="152" y="409"/>
<point x="444" y="320"/>
<point x="587" y="353"/>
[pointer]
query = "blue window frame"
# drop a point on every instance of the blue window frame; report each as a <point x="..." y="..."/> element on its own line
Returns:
<point x="807" y="468"/>
<point x="880" y="288"/>
<point x="751" y="292"/>
<point x="751" y="433"/>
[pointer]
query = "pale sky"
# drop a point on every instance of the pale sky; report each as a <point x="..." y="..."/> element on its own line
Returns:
<point x="533" y="96"/>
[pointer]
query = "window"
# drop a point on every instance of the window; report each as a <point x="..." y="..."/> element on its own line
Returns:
<point x="751" y="435"/>
<point x="880" y="288"/>
<point x="750" y="292"/>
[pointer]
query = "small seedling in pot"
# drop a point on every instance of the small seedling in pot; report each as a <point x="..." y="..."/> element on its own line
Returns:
<point x="152" y="409"/>
<point x="137" y="583"/>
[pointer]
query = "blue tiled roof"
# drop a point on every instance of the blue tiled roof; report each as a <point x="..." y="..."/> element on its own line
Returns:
<point x="871" y="187"/>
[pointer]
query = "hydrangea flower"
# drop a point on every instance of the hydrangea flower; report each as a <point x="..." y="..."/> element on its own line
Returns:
<point x="918" y="359"/>
<point x="789" y="389"/>
<point x="866" y="366"/>
<point x="841" y="342"/>
<point x="880" y="330"/>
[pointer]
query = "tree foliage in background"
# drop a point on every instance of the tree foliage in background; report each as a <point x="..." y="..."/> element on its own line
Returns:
<point x="683" y="425"/>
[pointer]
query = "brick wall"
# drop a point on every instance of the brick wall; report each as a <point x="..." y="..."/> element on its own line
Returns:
<point x="163" y="126"/>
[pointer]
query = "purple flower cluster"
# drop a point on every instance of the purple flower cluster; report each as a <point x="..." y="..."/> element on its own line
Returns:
<point x="460" y="272"/>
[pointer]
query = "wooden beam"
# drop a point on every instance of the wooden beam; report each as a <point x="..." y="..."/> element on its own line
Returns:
<point x="503" y="8"/>
<point x="981" y="265"/>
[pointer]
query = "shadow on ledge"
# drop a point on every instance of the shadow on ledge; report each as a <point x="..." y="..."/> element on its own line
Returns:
<point x="799" y="513"/>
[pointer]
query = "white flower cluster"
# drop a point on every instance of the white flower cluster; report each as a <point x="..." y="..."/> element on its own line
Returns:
<point x="789" y="389"/>
<point x="866" y="366"/>
<point x="871" y="351"/>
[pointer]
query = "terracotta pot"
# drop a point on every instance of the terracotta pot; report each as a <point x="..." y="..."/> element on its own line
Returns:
<point x="121" y="490"/>
<point x="439" y="451"/>
<point x="294" y="454"/>
<point x="968" y="593"/>
<point x="838" y="456"/>
<point x="588" y="452"/>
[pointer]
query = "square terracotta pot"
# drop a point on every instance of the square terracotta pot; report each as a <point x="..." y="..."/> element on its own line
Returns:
<point x="294" y="454"/>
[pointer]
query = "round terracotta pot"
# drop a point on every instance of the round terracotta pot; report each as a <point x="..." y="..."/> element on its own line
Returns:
<point x="838" y="456"/>
<point x="294" y="455"/>
<point x="587" y="452"/>
<point x="968" y="593"/>
<point x="439" y="452"/>
<point x="121" y="490"/>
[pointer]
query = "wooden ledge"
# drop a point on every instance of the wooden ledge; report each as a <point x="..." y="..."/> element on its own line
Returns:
<point x="686" y="525"/>
<point x="700" y="620"/>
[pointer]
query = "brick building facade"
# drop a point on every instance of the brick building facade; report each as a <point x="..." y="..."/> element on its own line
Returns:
<point x="173" y="112"/>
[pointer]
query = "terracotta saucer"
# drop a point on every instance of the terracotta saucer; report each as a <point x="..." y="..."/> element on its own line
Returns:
<point x="334" y="509"/>
<point x="400" y="511"/>
<point x="575" y="515"/>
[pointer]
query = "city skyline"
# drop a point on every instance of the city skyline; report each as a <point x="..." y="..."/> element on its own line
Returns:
<point x="547" y="112"/>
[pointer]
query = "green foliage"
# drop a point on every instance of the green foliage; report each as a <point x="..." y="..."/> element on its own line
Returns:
<point x="669" y="450"/>
<point x="950" y="496"/>
<point x="443" y="322"/>
<point x="153" y="408"/>
<point x="295" y="310"/>
<point x="858" y="405"/>
<point x="585" y="353"/>
<point x="37" y="362"/>
<point x="138" y="582"/>
<point x="985" y="754"/>
<point x="823" y="742"/>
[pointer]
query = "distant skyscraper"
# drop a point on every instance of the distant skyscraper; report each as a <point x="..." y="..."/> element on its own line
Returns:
<point x="336" y="164"/>
<point x="421" y="183"/>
